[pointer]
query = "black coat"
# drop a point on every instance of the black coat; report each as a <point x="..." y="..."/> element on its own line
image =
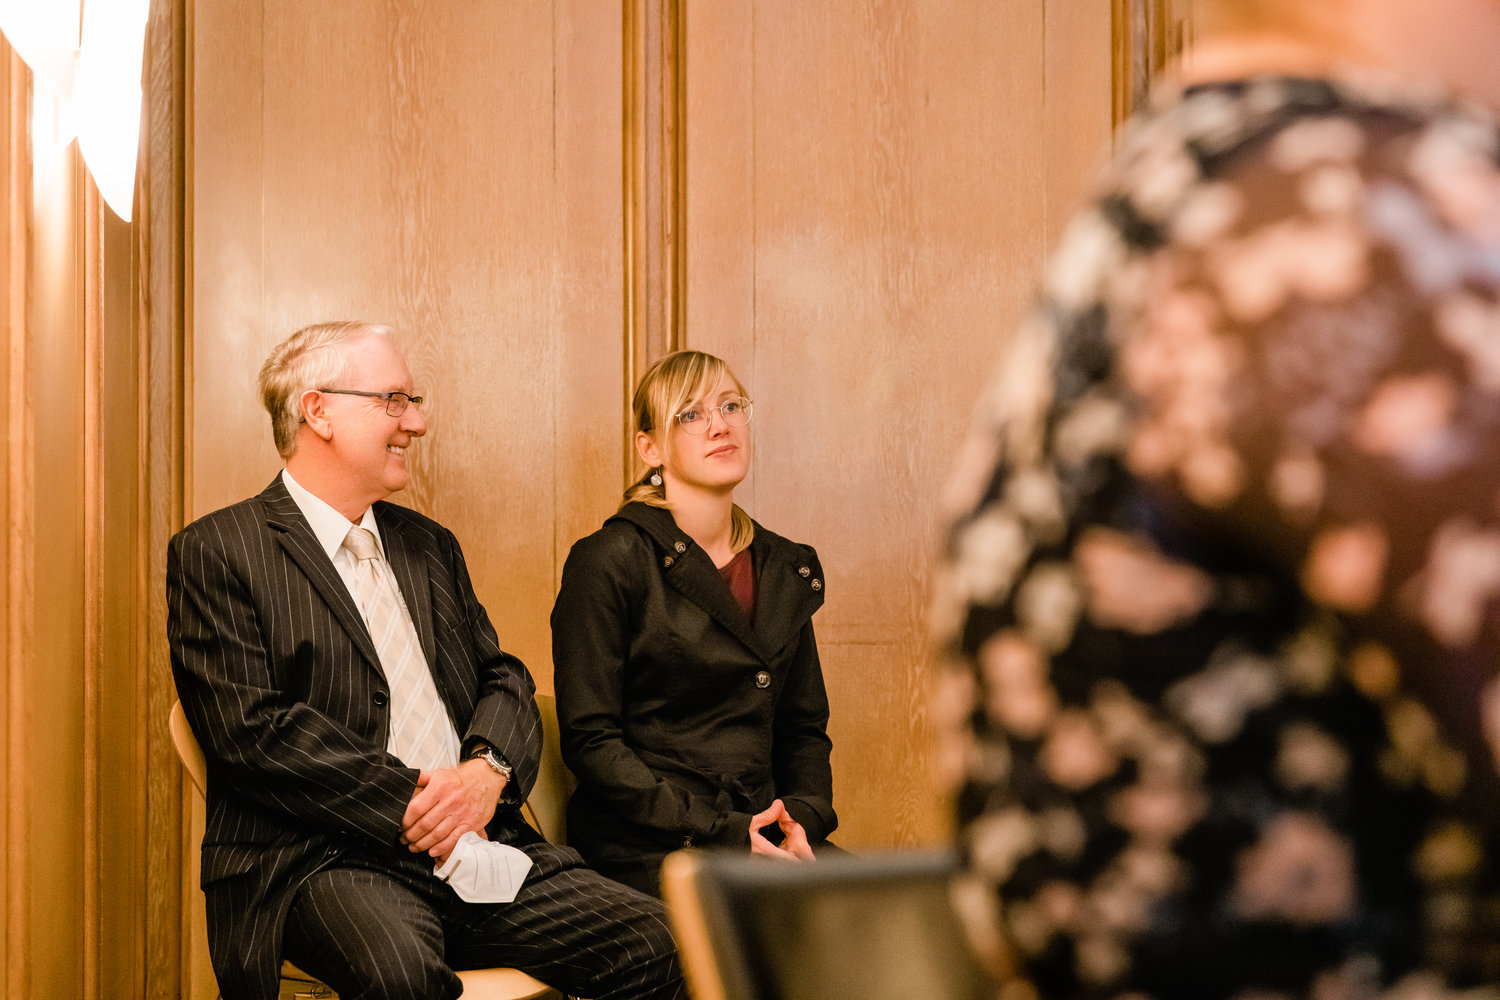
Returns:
<point x="680" y="717"/>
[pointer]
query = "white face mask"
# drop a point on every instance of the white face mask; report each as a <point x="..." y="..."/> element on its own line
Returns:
<point x="482" y="871"/>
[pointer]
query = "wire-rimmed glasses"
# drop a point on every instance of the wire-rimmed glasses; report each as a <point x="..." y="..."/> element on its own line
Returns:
<point x="395" y="402"/>
<point x="734" y="411"/>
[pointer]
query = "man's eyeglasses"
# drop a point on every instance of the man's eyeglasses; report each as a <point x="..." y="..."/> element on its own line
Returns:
<point x="395" y="402"/>
<point x="734" y="411"/>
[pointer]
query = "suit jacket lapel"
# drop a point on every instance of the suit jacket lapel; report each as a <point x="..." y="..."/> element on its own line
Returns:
<point x="409" y="565"/>
<point x="296" y="537"/>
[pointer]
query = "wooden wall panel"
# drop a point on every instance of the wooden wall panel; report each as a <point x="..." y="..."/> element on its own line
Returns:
<point x="868" y="192"/>
<point x="864" y="193"/>
<point x="13" y="190"/>
<point x="51" y="679"/>
<point x="1079" y="121"/>
<point x="453" y="170"/>
<point x="12" y="615"/>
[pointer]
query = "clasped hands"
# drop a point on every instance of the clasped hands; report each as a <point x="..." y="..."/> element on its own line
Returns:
<point x="448" y="803"/>
<point x="794" y="845"/>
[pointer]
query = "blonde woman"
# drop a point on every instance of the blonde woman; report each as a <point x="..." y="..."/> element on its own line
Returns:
<point x="689" y="692"/>
<point x="1222" y="601"/>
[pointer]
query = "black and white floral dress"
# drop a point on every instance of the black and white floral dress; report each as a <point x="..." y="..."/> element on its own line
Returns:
<point x="1219" y="610"/>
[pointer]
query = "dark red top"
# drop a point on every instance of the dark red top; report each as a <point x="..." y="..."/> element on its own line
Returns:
<point x="739" y="573"/>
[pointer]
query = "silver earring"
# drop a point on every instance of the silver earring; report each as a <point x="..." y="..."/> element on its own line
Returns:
<point x="656" y="479"/>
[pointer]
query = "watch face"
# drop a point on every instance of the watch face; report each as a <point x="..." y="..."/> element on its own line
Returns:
<point x="497" y="763"/>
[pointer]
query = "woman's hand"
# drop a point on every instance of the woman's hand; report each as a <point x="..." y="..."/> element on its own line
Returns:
<point x="794" y="839"/>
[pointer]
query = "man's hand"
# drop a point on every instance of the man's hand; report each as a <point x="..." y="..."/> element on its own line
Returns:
<point x="448" y="803"/>
<point x="794" y="845"/>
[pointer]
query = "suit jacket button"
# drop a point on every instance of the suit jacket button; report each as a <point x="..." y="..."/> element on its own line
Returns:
<point x="817" y="585"/>
<point x="762" y="680"/>
<point x="380" y="698"/>
<point x="803" y="571"/>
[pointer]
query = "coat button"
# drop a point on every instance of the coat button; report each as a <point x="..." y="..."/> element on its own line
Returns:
<point x="667" y="562"/>
<point x="762" y="680"/>
<point x="380" y="698"/>
<point x="681" y="547"/>
<point x="803" y="571"/>
<point x="817" y="585"/>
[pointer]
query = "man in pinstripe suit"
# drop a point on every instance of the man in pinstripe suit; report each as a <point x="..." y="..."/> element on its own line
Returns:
<point x="321" y="841"/>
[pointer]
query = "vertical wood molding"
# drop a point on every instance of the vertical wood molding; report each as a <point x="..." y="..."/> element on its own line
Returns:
<point x="162" y="240"/>
<point x="16" y="96"/>
<point x="654" y="158"/>
<point x="90" y="268"/>
<point x="1148" y="37"/>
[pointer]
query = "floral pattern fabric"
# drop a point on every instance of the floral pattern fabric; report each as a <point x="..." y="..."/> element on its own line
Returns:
<point x="1219" y="610"/>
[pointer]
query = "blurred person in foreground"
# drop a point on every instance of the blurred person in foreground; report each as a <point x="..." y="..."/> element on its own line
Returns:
<point x="1219" y="608"/>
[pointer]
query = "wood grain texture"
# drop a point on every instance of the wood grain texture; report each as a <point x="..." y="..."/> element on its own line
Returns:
<point x="162" y="248"/>
<point x="653" y="88"/>
<point x="867" y="186"/>
<point x="1078" y="120"/>
<point x="866" y="191"/>
<point x="451" y="170"/>
<point x="13" y="187"/>
<point x="51" y="668"/>
<point x="116" y="719"/>
<point x="75" y="566"/>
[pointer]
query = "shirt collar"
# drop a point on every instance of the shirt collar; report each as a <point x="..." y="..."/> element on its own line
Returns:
<point x="327" y="524"/>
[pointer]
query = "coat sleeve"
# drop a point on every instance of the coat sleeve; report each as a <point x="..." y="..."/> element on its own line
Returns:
<point x="592" y="627"/>
<point x="505" y="713"/>
<point x="800" y="745"/>
<point x="282" y="754"/>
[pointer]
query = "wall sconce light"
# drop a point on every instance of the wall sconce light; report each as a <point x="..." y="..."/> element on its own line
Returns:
<point x="90" y="55"/>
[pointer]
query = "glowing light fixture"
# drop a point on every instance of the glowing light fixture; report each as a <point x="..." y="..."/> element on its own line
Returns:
<point x="99" y="80"/>
<point x="107" y="96"/>
<point x="44" y="34"/>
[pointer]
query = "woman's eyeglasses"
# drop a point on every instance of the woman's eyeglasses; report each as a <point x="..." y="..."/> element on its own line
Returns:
<point x="734" y="411"/>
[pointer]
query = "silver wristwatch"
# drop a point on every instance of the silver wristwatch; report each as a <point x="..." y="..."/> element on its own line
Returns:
<point x="496" y="762"/>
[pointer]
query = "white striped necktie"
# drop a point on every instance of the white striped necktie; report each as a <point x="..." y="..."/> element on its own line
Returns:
<point x="422" y="735"/>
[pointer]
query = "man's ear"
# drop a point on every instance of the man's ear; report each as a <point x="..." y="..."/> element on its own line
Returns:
<point x="646" y="447"/>
<point x="315" y="414"/>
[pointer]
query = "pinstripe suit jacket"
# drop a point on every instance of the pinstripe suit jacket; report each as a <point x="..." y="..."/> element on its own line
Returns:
<point x="281" y="682"/>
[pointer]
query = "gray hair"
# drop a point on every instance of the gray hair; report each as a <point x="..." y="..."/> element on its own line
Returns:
<point x="310" y="358"/>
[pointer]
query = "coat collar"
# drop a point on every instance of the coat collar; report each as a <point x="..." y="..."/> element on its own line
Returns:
<point x="789" y="579"/>
<point x="296" y="538"/>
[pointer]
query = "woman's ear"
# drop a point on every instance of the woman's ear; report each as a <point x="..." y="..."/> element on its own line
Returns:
<point x="647" y="448"/>
<point x="315" y="415"/>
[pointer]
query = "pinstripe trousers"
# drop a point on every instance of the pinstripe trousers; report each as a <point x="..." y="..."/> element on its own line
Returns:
<point x="380" y="926"/>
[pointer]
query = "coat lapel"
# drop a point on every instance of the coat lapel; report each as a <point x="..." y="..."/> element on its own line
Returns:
<point x="788" y="591"/>
<point x="296" y="537"/>
<point x="785" y="593"/>
<point x="694" y="576"/>
<point x="784" y="596"/>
